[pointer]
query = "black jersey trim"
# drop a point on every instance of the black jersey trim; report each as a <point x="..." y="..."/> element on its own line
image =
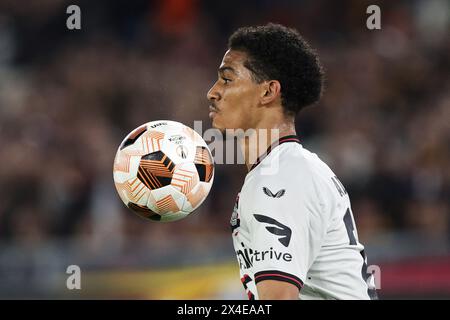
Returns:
<point x="279" y="276"/>
<point x="290" y="138"/>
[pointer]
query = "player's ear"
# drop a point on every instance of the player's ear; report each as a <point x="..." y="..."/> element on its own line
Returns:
<point x="271" y="91"/>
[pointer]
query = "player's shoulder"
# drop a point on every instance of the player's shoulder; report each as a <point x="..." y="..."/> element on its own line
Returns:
<point x="294" y="169"/>
<point x="290" y="178"/>
<point x="291" y="162"/>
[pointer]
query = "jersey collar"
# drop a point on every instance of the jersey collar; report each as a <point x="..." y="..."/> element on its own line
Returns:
<point x="290" y="138"/>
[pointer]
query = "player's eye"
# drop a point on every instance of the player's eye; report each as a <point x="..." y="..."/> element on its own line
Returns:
<point x="225" y="80"/>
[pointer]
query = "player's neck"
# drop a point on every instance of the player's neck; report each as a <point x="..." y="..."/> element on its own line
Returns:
<point x="256" y="143"/>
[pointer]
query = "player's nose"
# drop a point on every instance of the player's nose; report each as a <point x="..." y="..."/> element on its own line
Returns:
<point x="213" y="94"/>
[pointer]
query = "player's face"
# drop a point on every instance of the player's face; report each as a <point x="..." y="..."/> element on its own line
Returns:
<point x="235" y="95"/>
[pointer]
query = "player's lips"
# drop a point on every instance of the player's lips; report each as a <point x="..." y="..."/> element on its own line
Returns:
<point x="212" y="111"/>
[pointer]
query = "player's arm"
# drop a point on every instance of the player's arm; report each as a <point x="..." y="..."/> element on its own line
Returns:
<point x="277" y="290"/>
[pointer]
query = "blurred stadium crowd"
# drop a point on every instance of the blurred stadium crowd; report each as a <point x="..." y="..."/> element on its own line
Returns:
<point x="68" y="98"/>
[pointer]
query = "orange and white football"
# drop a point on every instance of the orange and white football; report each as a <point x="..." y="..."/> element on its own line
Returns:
<point x="163" y="170"/>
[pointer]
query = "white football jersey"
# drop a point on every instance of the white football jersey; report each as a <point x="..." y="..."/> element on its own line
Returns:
<point x="292" y="222"/>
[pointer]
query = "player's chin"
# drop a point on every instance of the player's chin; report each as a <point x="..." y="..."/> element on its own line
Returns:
<point x="216" y="123"/>
<point x="220" y="127"/>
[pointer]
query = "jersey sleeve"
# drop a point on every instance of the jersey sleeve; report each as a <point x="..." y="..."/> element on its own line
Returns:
<point x="287" y="225"/>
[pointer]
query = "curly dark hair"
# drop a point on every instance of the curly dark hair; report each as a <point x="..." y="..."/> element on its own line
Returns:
<point x="276" y="52"/>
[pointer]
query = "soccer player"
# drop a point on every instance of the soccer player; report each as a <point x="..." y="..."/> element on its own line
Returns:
<point x="293" y="231"/>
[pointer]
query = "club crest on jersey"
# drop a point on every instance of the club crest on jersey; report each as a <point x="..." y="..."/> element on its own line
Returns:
<point x="278" y="194"/>
<point x="235" y="222"/>
<point x="277" y="228"/>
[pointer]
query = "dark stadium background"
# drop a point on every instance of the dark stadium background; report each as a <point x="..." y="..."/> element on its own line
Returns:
<point x="67" y="99"/>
